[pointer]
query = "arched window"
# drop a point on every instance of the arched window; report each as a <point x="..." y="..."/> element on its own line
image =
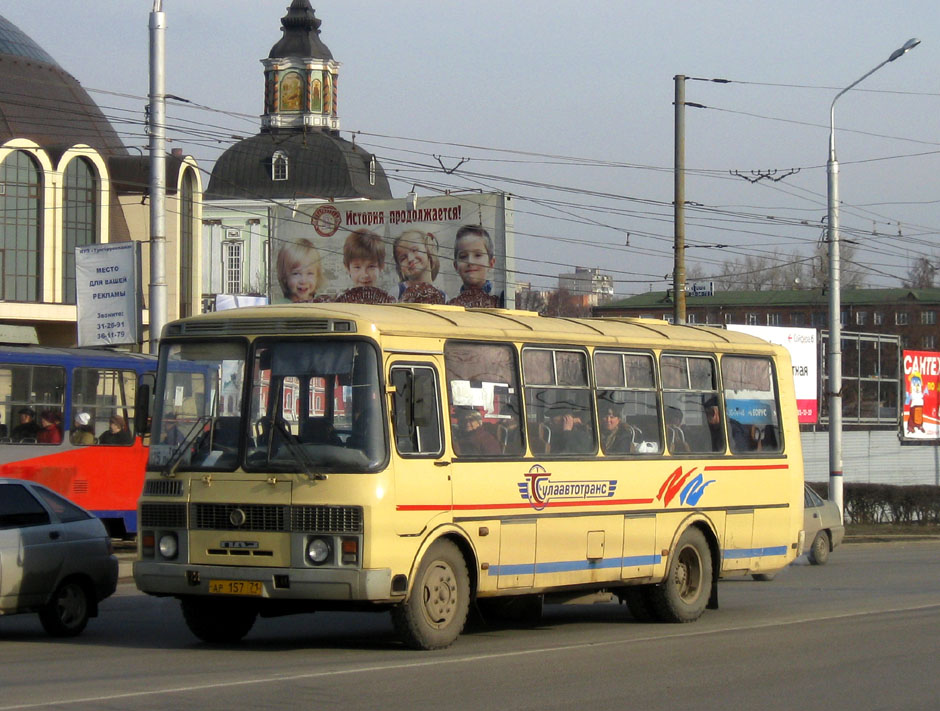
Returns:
<point x="187" y="255"/>
<point x="279" y="166"/>
<point x="80" y="219"/>
<point x="20" y="228"/>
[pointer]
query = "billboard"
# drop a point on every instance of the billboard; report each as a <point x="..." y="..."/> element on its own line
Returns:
<point x="802" y="344"/>
<point x="447" y="249"/>
<point x="919" y="420"/>
<point x="108" y="296"/>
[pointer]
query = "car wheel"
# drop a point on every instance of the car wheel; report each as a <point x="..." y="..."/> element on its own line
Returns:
<point x="434" y="614"/>
<point x="819" y="551"/>
<point x="67" y="613"/>
<point x="683" y="595"/>
<point x="764" y="577"/>
<point x="217" y="620"/>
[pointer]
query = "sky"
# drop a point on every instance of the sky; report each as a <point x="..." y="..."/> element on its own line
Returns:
<point x="569" y="108"/>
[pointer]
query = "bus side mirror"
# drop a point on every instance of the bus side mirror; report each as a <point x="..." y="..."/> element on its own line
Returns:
<point x="142" y="411"/>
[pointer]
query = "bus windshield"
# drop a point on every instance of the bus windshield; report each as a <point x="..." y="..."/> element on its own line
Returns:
<point x="312" y="406"/>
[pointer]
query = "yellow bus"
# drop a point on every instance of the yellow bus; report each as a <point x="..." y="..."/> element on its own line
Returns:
<point x="428" y="459"/>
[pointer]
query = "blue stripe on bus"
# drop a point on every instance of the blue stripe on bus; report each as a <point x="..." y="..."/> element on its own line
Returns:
<point x="735" y="553"/>
<point x="568" y="566"/>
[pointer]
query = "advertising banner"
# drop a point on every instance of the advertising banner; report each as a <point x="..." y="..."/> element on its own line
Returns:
<point x="921" y="399"/>
<point x="107" y="281"/>
<point x="448" y="249"/>
<point x="802" y="344"/>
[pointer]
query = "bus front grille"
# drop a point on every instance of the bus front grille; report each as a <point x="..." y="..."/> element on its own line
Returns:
<point x="258" y="517"/>
<point x="163" y="487"/>
<point x="240" y="517"/>
<point x="327" y="519"/>
<point x="163" y="515"/>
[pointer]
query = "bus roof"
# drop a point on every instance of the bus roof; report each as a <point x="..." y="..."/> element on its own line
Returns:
<point x="437" y="321"/>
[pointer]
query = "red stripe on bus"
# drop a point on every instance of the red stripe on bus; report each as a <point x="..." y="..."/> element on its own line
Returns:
<point x="755" y="467"/>
<point x="521" y="505"/>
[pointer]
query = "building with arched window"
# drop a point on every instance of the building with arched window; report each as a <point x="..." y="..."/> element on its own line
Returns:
<point x="67" y="181"/>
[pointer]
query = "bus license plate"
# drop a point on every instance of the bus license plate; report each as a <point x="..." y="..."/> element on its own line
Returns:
<point x="236" y="587"/>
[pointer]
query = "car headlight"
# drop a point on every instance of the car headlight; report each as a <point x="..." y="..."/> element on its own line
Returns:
<point x="168" y="546"/>
<point x="319" y="550"/>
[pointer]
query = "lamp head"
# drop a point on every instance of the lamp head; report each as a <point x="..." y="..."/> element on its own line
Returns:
<point x="906" y="47"/>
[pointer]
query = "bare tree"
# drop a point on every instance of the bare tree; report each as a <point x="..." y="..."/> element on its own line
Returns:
<point x="759" y="272"/>
<point x="922" y="274"/>
<point x="851" y="274"/>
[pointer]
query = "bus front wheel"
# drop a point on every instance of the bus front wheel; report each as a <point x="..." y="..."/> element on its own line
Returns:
<point x="434" y="614"/>
<point x="218" y="620"/>
<point x="683" y="595"/>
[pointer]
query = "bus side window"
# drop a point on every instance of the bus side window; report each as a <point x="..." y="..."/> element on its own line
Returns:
<point x="416" y="408"/>
<point x="482" y="378"/>
<point x="751" y="402"/>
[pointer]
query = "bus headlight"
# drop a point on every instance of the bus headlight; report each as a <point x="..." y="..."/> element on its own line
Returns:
<point x="319" y="550"/>
<point x="168" y="546"/>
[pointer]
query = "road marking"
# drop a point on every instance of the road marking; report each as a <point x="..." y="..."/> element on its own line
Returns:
<point x="268" y="678"/>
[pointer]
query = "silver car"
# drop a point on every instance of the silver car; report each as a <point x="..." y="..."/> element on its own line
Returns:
<point x="823" y="525"/>
<point x="55" y="558"/>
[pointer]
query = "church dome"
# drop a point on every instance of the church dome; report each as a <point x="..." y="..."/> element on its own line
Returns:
<point x="316" y="164"/>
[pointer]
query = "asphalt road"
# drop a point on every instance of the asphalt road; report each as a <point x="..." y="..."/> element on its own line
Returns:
<point x="862" y="632"/>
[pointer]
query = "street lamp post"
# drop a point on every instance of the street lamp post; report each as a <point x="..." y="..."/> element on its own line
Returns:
<point x="835" y="298"/>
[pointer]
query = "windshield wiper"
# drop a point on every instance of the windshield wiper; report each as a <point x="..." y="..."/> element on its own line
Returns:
<point x="297" y="451"/>
<point x="193" y="438"/>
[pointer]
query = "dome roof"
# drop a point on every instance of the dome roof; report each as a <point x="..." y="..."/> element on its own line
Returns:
<point x="301" y="37"/>
<point x="319" y="165"/>
<point x="42" y="102"/>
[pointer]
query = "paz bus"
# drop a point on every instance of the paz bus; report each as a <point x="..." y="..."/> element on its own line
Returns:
<point x="67" y="421"/>
<point x="424" y="459"/>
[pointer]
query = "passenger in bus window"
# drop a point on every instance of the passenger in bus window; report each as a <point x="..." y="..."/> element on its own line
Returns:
<point x="50" y="432"/>
<point x="569" y="434"/>
<point x="82" y="432"/>
<point x="472" y="437"/>
<point x="674" y="432"/>
<point x="713" y="418"/>
<point x="617" y="437"/>
<point x="27" y="428"/>
<point x="117" y="432"/>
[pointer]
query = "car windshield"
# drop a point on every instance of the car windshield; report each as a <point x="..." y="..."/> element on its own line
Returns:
<point x="310" y="406"/>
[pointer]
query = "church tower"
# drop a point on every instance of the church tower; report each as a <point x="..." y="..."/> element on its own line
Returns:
<point x="298" y="154"/>
<point x="300" y="75"/>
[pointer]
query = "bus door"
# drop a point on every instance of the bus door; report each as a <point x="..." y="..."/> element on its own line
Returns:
<point x="639" y="546"/>
<point x="739" y="536"/>
<point x="422" y="477"/>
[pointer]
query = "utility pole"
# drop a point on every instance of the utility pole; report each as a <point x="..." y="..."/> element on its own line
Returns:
<point x="678" y="271"/>
<point x="157" y="130"/>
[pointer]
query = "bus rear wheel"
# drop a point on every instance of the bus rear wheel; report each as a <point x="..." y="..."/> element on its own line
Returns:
<point x="218" y="620"/>
<point x="436" y="610"/>
<point x="683" y="595"/>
